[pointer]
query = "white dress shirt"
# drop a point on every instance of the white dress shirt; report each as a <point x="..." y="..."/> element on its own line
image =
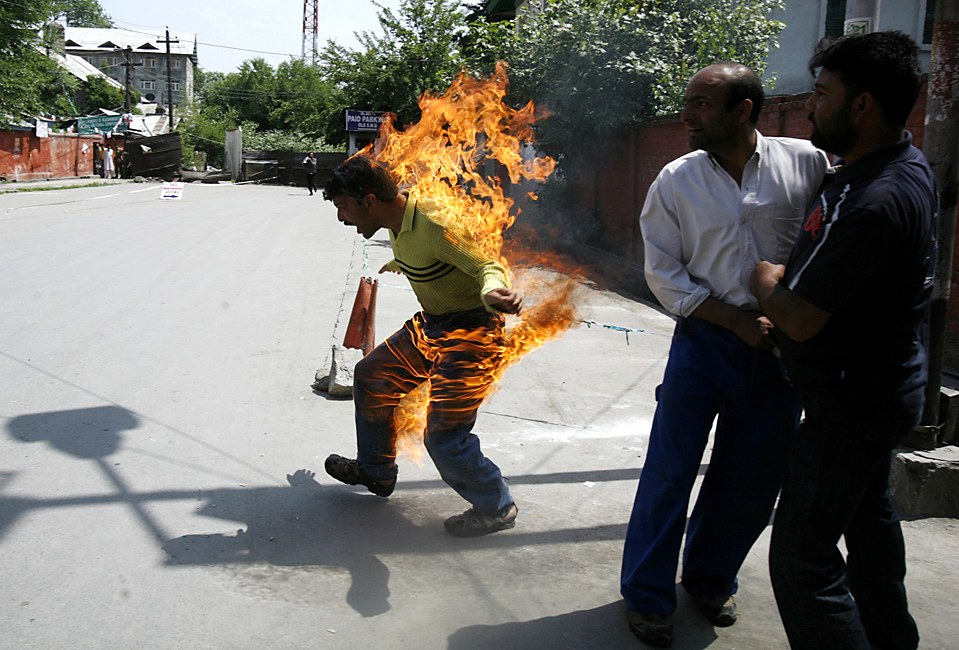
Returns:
<point x="704" y="234"/>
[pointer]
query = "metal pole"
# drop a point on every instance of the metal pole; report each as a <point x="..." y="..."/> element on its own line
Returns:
<point x="862" y="16"/>
<point x="941" y="146"/>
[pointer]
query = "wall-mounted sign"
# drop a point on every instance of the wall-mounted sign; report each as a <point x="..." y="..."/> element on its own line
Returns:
<point x="857" y="26"/>
<point x="102" y="124"/>
<point x="364" y="120"/>
<point x="43" y="129"/>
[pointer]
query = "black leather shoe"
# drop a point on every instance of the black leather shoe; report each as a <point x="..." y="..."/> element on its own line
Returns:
<point x="718" y="610"/>
<point x="654" y="629"/>
<point x="349" y="471"/>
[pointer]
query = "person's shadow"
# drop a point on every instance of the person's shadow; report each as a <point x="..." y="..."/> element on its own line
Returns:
<point x="588" y="629"/>
<point x="310" y="525"/>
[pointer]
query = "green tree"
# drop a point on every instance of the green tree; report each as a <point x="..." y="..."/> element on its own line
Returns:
<point x="249" y="93"/>
<point x="28" y="78"/>
<point x="302" y="97"/>
<point x="601" y="64"/>
<point x="83" y="13"/>
<point x="99" y="93"/>
<point x="418" y="51"/>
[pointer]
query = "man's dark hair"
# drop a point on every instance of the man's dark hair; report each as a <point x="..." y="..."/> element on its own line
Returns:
<point x="883" y="64"/>
<point x="359" y="176"/>
<point x="744" y="84"/>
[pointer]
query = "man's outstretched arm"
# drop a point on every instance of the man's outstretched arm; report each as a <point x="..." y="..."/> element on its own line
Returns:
<point x="790" y="312"/>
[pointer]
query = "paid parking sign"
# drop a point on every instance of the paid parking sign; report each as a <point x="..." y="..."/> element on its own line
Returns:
<point x="172" y="191"/>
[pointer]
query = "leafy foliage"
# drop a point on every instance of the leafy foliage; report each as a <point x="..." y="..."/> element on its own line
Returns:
<point x="416" y="52"/>
<point x="83" y="13"/>
<point x="277" y="109"/>
<point x="599" y="65"/>
<point x="29" y="80"/>
<point x="100" y="94"/>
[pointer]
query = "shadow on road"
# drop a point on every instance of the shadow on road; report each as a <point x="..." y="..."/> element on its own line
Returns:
<point x="588" y="629"/>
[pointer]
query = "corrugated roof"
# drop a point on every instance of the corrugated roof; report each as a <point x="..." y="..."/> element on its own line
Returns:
<point x="80" y="68"/>
<point x="89" y="38"/>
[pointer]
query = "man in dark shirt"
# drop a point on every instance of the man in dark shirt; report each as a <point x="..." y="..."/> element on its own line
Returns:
<point x="853" y="303"/>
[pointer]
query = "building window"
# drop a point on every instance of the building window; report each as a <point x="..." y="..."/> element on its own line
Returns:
<point x="150" y="63"/>
<point x="835" y="18"/>
<point x="88" y="59"/>
<point x="148" y="85"/>
<point x="928" y="22"/>
<point x="176" y="63"/>
<point x="108" y="61"/>
<point x="175" y="85"/>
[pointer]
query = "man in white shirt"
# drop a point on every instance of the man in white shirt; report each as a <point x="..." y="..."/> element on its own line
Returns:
<point x="709" y="218"/>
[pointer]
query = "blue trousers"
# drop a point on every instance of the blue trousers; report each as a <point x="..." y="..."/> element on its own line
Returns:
<point x="429" y="348"/>
<point x="837" y="485"/>
<point x="711" y="373"/>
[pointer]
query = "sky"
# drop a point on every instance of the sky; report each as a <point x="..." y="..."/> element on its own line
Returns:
<point x="267" y="25"/>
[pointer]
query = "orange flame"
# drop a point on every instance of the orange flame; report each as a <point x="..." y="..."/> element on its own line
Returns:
<point x="465" y="138"/>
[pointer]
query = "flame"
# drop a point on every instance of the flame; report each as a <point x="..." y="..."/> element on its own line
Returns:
<point x="456" y="154"/>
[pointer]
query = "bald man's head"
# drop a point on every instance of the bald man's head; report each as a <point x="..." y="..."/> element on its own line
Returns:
<point x="739" y="82"/>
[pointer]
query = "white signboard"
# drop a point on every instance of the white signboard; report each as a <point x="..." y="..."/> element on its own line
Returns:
<point x="43" y="129"/>
<point x="172" y="191"/>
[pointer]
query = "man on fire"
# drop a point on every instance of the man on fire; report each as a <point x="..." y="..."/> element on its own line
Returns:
<point x="451" y="343"/>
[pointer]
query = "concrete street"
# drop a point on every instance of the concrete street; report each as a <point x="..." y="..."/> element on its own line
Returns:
<point x="161" y="451"/>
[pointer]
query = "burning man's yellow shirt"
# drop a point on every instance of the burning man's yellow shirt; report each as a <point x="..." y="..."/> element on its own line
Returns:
<point x="445" y="266"/>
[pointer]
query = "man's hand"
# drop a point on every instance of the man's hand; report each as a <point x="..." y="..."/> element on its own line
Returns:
<point x="798" y="318"/>
<point x="505" y="300"/>
<point x="386" y="269"/>
<point x="764" y="279"/>
<point x="756" y="330"/>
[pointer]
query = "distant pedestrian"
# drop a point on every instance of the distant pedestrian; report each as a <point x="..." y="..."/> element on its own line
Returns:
<point x="124" y="167"/>
<point x="310" y="163"/>
<point x="852" y="303"/>
<point x="108" y="166"/>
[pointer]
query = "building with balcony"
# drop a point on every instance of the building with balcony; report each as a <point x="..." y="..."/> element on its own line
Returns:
<point x="106" y="49"/>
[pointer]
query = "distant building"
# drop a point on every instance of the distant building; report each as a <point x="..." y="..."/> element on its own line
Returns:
<point x="103" y="48"/>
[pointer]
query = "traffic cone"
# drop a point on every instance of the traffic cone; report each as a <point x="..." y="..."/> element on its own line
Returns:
<point x="361" y="331"/>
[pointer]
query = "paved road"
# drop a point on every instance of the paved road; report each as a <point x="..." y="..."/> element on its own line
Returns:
<point x="160" y="438"/>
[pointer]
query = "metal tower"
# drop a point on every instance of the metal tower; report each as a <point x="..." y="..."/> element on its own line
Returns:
<point x="311" y="24"/>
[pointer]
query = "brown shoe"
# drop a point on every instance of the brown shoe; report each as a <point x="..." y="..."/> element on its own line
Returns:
<point x="718" y="610"/>
<point x="654" y="629"/>
<point x="474" y="524"/>
<point x="351" y="472"/>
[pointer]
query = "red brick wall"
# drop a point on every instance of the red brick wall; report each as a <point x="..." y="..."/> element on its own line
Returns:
<point x="613" y="186"/>
<point x="60" y="155"/>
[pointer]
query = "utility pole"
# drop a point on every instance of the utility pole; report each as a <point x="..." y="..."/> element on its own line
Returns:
<point x="941" y="146"/>
<point x="862" y="17"/>
<point x="169" y="79"/>
<point x="128" y="63"/>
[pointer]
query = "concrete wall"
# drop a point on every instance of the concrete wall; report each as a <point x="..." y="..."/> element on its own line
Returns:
<point x="805" y="25"/>
<point x="24" y="156"/>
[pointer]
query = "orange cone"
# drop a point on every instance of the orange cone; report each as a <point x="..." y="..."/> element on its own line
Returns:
<point x="361" y="332"/>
